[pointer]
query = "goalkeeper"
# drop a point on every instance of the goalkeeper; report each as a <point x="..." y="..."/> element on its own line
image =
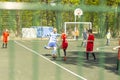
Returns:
<point x="5" y="37"/>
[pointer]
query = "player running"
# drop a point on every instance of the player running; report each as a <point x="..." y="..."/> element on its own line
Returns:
<point x="53" y="42"/>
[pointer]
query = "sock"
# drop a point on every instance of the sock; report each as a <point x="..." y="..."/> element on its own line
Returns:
<point x="64" y="52"/>
<point x="94" y="56"/>
<point x="3" y="45"/>
<point x="87" y="55"/>
<point x="6" y="45"/>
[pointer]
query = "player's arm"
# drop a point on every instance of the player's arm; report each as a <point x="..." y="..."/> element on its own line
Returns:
<point x="58" y="35"/>
<point x="116" y="47"/>
<point x="8" y="38"/>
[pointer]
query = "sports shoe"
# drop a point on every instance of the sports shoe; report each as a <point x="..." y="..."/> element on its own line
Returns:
<point x="65" y="58"/>
<point x="45" y="47"/>
<point x="54" y="56"/>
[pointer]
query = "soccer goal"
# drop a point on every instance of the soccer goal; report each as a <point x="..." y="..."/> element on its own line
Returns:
<point x="72" y="26"/>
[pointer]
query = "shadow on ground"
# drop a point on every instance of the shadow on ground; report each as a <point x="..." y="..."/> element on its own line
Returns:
<point x="106" y="60"/>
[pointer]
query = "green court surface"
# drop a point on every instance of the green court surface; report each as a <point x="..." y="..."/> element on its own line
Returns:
<point x="28" y="60"/>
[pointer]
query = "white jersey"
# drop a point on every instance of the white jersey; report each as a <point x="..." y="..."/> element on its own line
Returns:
<point x="53" y="37"/>
<point x="108" y="35"/>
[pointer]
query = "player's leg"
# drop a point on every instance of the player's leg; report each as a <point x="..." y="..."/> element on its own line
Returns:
<point x="108" y="42"/>
<point x="6" y="44"/>
<point x="64" y="50"/>
<point x="49" y="46"/>
<point x="94" y="56"/>
<point x="3" y="45"/>
<point x="82" y="43"/>
<point x="87" y="52"/>
<point x="118" y="65"/>
<point x="85" y="43"/>
<point x="54" y="52"/>
<point x="54" y="46"/>
<point x="87" y="55"/>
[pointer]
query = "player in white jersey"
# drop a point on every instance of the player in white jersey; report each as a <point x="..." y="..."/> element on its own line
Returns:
<point x="53" y="42"/>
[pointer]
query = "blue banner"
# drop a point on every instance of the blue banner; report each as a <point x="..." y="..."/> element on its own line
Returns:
<point x="43" y="31"/>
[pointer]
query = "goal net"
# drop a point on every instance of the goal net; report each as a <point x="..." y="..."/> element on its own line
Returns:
<point x="71" y="27"/>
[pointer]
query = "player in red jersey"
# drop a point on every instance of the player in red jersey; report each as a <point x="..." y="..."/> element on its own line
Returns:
<point x="5" y="37"/>
<point x="118" y="56"/>
<point x="64" y="44"/>
<point x="90" y="45"/>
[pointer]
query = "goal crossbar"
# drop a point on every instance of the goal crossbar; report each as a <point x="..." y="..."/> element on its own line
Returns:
<point x="65" y="23"/>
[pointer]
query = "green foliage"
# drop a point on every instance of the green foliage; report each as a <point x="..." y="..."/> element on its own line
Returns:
<point x="75" y="2"/>
<point x="92" y="2"/>
<point x="56" y="18"/>
<point x="26" y="18"/>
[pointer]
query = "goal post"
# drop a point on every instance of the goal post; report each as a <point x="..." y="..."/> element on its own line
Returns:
<point x="74" y="23"/>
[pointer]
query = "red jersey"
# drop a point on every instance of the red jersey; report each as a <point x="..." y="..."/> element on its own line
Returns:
<point x="64" y="44"/>
<point x="118" y="53"/>
<point x="64" y="41"/>
<point x="90" y="43"/>
<point x="5" y="36"/>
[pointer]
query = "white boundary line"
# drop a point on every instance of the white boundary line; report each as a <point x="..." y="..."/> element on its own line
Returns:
<point x="104" y="47"/>
<point x="101" y="47"/>
<point x="50" y="61"/>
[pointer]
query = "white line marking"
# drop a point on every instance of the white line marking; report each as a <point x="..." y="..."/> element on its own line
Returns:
<point x="101" y="47"/>
<point x="50" y="61"/>
<point x="104" y="47"/>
